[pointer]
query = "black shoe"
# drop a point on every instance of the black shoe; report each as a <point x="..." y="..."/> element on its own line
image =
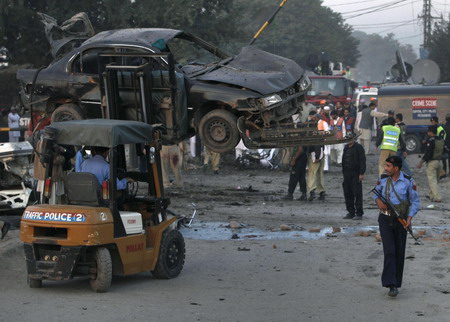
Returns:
<point x="349" y="216"/>
<point x="303" y="197"/>
<point x="288" y="197"/>
<point x="5" y="229"/>
<point x="312" y="196"/>
<point x="393" y="291"/>
<point x="322" y="196"/>
<point x="357" y="217"/>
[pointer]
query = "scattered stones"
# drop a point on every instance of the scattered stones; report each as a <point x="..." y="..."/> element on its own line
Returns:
<point x="285" y="227"/>
<point x="377" y="237"/>
<point x="234" y="225"/>
<point x="363" y="233"/>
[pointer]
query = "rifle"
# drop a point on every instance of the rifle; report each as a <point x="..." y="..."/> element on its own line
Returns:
<point x="393" y="212"/>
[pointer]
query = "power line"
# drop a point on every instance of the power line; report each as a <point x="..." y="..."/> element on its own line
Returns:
<point x="385" y="23"/>
<point x="387" y="7"/>
<point x="349" y="3"/>
<point x="375" y="7"/>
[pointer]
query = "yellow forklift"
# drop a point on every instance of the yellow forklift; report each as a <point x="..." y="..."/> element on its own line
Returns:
<point x="98" y="231"/>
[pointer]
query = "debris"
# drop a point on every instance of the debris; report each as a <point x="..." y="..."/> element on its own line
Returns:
<point x="243" y="249"/>
<point x="289" y="251"/>
<point x="235" y="204"/>
<point x="235" y="236"/>
<point x="363" y="233"/>
<point x="234" y="225"/>
<point x="314" y="230"/>
<point x="330" y="235"/>
<point x="430" y="207"/>
<point x="267" y="181"/>
<point x="337" y="229"/>
<point x="285" y="227"/>
<point x="193" y="303"/>
<point x="274" y="246"/>
<point x="377" y="237"/>
<point x="421" y="233"/>
<point x="250" y="236"/>
<point x="410" y="257"/>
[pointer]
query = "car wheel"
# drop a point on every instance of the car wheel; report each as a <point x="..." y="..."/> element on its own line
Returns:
<point x="218" y="131"/>
<point x="413" y="144"/>
<point x="67" y="112"/>
<point x="34" y="282"/>
<point x="103" y="267"/>
<point x="171" y="255"/>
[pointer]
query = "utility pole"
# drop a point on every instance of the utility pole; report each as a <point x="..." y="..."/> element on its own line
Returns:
<point x="426" y="16"/>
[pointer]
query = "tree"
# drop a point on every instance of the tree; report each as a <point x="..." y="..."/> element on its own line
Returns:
<point x="301" y="28"/>
<point x="440" y="48"/>
<point x="378" y="56"/>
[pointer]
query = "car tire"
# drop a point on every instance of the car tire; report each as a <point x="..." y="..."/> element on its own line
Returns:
<point x="67" y="112"/>
<point x="218" y="131"/>
<point x="103" y="265"/>
<point x="171" y="255"/>
<point x="34" y="282"/>
<point x="413" y="144"/>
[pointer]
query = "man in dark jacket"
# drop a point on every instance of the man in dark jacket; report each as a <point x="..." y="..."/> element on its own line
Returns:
<point x="353" y="169"/>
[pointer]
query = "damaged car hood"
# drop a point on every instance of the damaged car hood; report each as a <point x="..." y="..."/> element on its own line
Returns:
<point x="257" y="70"/>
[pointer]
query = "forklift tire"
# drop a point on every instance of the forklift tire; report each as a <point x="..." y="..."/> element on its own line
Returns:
<point x="102" y="281"/>
<point x="171" y="255"/>
<point x="67" y="112"/>
<point x="34" y="282"/>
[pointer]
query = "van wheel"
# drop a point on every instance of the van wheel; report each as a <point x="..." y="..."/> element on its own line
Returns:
<point x="171" y="255"/>
<point x="103" y="265"/>
<point x="34" y="282"/>
<point x="413" y="144"/>
<point x="67" y="112"/>
<point x="218" y="131"/>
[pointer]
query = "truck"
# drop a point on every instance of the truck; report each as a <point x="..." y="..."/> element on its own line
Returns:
<point x="417" y="103"/>
<point x="336" y="88"/>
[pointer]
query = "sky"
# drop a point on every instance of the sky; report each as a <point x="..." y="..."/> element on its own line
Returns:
<point x="400" y="17"/>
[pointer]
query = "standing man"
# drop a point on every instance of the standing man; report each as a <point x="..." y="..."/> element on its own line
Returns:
<point x="353" y="169"/>
<point x="349" y="121"/>
<point x="13" y="122"/>
<point x="447" y="138"/>
<point x="401" y="152"/>
<point x="443" y="134"/>
<point x="213" y="158"/>
<point x="388" y="142"/>
<point x="315" y="181"/>
<point x="298" y="174"/>
<point x="337" y="124"/>
<point x="433" y="156"/>
<point x="400" y="190"/>
<point x="171" y="157"/>
<point x="364" y="125"/>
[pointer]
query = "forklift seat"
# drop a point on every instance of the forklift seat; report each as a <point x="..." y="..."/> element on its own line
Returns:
<point x="82" y="188"/>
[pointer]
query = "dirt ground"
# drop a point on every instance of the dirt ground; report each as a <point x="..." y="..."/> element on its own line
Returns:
<point x="323" y="268"/>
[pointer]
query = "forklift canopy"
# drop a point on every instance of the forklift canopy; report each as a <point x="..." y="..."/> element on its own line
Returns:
<point x="102" y="132"/>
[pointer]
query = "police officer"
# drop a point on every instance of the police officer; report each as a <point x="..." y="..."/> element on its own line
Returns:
<point x="298" y="174"/>
<point x="433" y="155"/>
<point x="353" y="169"/>
<point x="400" y="190"/>
<point x="443" y="134"/>
<point x="387" y="140"/>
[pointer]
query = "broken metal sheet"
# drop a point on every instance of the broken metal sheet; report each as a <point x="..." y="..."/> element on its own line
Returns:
<point x="72" y="31"/>
<point x="257" y="70"/>
<point x="11" y="150"/>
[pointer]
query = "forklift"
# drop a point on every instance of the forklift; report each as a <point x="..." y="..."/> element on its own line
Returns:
<point x="98" y="231"/>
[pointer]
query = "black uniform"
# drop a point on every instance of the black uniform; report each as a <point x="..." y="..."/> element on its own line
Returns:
<point x="298" y="174"/>
<point x="353" y="165"/>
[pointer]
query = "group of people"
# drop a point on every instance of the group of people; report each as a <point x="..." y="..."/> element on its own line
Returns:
<point x="395" y="181"/>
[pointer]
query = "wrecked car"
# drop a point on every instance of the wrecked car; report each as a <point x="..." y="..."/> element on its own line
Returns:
<point x="262" y="89"/>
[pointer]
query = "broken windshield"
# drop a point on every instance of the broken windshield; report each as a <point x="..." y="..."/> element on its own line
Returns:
<point x="324" y="86"/>
<point x="188" y="52"/>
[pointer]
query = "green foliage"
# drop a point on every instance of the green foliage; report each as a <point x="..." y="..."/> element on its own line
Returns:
<point x="378" y="56"/>
<point x="301" y="28"/>
<point x="440" y="48"/>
